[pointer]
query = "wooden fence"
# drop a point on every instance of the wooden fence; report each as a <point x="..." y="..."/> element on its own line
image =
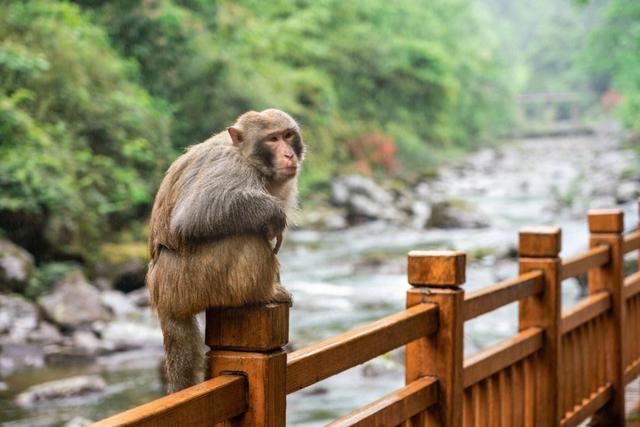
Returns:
<point x="562" y="367"/>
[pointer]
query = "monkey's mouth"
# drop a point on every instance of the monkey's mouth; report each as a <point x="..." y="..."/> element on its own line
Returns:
<point x="288" y="171"/>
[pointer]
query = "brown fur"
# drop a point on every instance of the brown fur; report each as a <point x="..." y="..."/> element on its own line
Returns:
<point x="211" y="220"/>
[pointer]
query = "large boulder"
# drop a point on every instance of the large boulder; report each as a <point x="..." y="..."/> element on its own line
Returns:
<point x="364" y="200"/>
<point x="16" y="266"/>
<point x="124" y="264"/>
<point x="74" y="303"/>
<point x="61" y="389"/>
<point x="456" y="214"/>
<point x="127" y="335"/>
<point x="18" y="317"/>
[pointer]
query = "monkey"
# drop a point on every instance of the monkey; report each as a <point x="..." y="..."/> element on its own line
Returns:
<point x="216" y="214"/>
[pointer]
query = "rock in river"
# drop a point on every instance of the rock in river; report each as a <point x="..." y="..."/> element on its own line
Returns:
<point x="61" y="389"/>
<point x="16" y="266"/>
<point x="74" y="303"/>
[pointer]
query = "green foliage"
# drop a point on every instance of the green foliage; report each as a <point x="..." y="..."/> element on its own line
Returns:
<point x="46" y="276"/>
<point x="82" y="145"/>
<point x="97" y="97"/>
<point x="615" y="56"/>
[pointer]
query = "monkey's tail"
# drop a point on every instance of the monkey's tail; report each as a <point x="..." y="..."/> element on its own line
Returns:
<point x="183" y="351"/>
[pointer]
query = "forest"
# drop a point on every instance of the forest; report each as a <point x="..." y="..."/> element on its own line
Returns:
<point x="428" y="124"/>
<point x="97" y="98"/>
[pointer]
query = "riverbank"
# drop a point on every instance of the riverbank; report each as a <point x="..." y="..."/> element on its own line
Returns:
<point x="345" y="274"/>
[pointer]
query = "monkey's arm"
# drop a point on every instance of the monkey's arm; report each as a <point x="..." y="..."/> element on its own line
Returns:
<point x="229" y="213"/>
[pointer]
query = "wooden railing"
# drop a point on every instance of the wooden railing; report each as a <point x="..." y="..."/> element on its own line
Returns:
<point x="560" y="369"/>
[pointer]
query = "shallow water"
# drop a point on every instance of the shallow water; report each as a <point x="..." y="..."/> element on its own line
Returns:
<point x="343" y="279"/>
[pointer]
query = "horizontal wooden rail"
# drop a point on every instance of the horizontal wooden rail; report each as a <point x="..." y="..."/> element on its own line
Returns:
<point x="595" y="402"/>
<point x="585" y="310"/>
<point x="632" y="371"/>
<point x="395" y="407"/>
<point x="203" y="405"/>
<point x="582" y="263"/>
<point x="487" y="362"/>
<point x="488" y="299"/>
<point x="321" y="360"/>
<point x="631" y="285"/>
<point x="631" y="242"/>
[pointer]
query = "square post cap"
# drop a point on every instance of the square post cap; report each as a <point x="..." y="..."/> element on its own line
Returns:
<point x="248" y="328"/>
<point x="436" y="268"/>
<point x="606" y="221"/>
<point x="540" y="241"/>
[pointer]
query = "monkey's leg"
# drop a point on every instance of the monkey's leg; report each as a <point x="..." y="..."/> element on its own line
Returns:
<point x="182" y="349"/>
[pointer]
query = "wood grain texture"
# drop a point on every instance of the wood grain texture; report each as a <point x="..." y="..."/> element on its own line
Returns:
<point x="440" y="354"/>
<point x="539" y="241"/>
<point x="606" y="229"/>
<point x="395" y="407"/>
<point x="266" y="377"/>
<point x="631" y="242"/>
<point x="495" y="296"/>
<point x="324" y="359"/>
<point x="502" y="355"/>
<point x="202" y="405"/>
<point x="582" y="263"/>
<point x="631" y="285"/>
<point x="543" y="310"/>
<point x="591" y="406"/>
<point x="585" y="310"/>
<point x="606" y="221"/>
<point x="436" y="268"/>
<point x="259" y="328"/>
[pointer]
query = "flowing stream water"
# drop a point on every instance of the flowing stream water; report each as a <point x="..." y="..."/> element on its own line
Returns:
<point x="343" y="279"/>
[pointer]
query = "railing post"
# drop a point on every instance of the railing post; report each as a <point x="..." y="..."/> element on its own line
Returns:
<point x="538" y="249"/>
<point x="249" y="341"/>
<point x="606" y="227"/>
<point x="435" y="276"/>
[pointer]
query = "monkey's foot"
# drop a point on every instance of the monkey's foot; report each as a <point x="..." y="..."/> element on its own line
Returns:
<point x="281" y="295"/>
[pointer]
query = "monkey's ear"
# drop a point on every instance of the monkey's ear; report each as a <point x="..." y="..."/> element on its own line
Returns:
<point x="236" y="135"/>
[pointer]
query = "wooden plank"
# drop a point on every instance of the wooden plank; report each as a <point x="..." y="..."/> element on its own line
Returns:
<point x="491" y="297"/>
<point x="631" y="285"/>
<point x="500" y="356"/>
<point x="539" y="241"/>
<point x="631" y="242"/>
<point x="436" y="268"/>
<point x="227" y="327"/>
<point x="395" y="407"/>
<point x="440" y="355"/>
<point x="204" y="404"/>
<point x="539" y="250"/>
<point x="606" y="228"/>
<point x="321" y="360"/>
<point x="582" y="263"/>
<point x="590" y="407"/>
<point x="585" y="310"/>
<point x="632" y="371"/>
<point x="266" y="376"/>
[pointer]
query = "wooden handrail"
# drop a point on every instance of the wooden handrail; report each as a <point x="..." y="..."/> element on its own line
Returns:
<point x="203" y="405"/>
<point x="395" y="407"/>
<point x="493" y="359"/>
<point x="631" y="285"/>
<point x="586" y="309"/>
<point x="631" y="242"/>
<point x="595" y="402"/>
<point x="582" y="263"/>
<point x="488" y="299"/>
<point x="318" y="361"/>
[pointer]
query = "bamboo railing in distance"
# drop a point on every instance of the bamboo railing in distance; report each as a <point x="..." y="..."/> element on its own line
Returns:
<point x="560" y="369"/>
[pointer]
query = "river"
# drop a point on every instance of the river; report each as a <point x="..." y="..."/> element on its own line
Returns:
<point x="343" y="279"/>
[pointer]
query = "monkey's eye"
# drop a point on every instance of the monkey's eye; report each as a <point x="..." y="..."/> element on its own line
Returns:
<point x="274" y="138"/>
<point x="288" y="135"/>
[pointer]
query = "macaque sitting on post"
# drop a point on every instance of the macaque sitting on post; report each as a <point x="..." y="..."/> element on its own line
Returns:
<point x="218" y="210"/>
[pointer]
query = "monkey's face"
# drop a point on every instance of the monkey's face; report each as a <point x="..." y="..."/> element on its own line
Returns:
<point x="271" y="141"/>
<point x="281" y="152"/>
